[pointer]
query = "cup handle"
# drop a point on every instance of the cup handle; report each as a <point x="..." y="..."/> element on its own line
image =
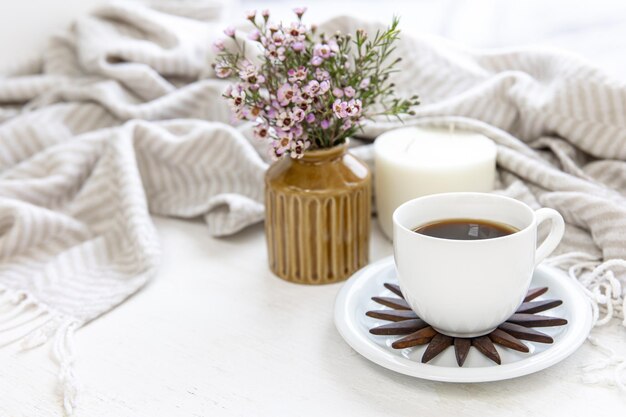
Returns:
<point x="554" y="237"/>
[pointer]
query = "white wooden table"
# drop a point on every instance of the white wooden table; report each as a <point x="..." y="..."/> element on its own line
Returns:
<point x="216" y="334"/>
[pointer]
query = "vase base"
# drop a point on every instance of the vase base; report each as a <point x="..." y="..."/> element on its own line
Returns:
<point x="316" y="280"/>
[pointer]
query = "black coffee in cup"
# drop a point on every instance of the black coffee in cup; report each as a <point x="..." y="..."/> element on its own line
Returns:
<point x="465" y="229"/>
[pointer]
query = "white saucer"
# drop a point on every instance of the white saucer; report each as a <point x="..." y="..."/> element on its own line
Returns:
<point x="354" y="300"/>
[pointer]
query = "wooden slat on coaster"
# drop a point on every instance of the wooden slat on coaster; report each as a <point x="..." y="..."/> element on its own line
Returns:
<point x="532" y="307"/>
<point x="486" y="347"/>
<point x="509" y="334"/>
<point x="461" y="349"/>
<point x="396" y="303"/>
<point x="502" y="338"/>
<point x="533" y="320"/>
<point x="420" y="337"/>
<point x="394" y="289"/>
<point x="438" y="344"/>
<point x="401" y="327"/>
<point x="392" y="315"/>
<point x="534" y="293"/>
<point x="525" y="333"/>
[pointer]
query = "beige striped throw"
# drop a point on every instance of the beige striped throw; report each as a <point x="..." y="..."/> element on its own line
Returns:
<point x="122" y="118"/>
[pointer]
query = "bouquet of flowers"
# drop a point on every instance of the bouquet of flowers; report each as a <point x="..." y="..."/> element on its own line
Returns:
<point x="311" y="91"/>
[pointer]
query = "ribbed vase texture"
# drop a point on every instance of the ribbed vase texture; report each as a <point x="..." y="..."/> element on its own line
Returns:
<point x="318" y="216"/>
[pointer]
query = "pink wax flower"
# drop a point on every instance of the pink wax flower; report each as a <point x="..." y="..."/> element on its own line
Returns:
<point x="300" y="86"/>
<point x="218" y="45"/>
<point x="354" y="108"/>
<point x="278" y="38"/>
<point x="248" y="72"/>
<point x="296" y="132"/>
<point x="297" y="31"/>
<point x="254" y="35"/>
<point x="299" y="11"/>
<point x="303" y="100"/>
<point x="254" y="113"/>
<point x="280" y="53"/>
<point x="317" y="61"/>
<point x="285" y="94"/>
<point x="271" y="112"/>
<point x="324" y="87"/>
<point x="237" y="97"/>
<point x="298" y="74"/>
<point x="223" y="71"/>
<point x="340" y="108"/>
<point x="255" y="87"/>
<point x="297" y="115"/>
<point x="241" y="113"/>
<point x="322" y="50"/>
<point x="285" y="120"/>
<point x="283" y="143"/>
<point x="262" y="131"/>
<point x="275" y="54"/>
<point x="312" y="88"/>
<point x="271" y="152"/>
<point x="298" y="147"/>
<point x="321" y="75"/>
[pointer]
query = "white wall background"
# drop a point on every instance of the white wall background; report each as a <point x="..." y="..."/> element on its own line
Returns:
<point x="595" y="29"/>
<point x="26" y="24"/>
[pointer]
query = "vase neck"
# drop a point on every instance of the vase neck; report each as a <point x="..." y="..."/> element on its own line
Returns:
<point x="328" y="154"/>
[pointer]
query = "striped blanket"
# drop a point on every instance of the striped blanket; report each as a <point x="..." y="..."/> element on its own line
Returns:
<point x="122" y="118"/>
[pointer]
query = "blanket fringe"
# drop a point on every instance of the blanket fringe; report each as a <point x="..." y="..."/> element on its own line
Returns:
<point x="25" y="320"/>
<point x="14" y="305"/>
<point x="606" y="295"/>
<point x="63" y="351"/>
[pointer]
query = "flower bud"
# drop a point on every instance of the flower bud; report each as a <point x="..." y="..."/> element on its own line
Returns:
<point x="299" y="11"/>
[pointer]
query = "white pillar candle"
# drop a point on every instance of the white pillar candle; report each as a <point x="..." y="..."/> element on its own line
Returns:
<point x="412" y="162"/>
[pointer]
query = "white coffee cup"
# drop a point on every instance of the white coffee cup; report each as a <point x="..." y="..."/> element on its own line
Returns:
<point x="466" y="288"/>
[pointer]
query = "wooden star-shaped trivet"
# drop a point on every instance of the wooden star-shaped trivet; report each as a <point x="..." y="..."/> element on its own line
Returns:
<point x="509" y="334"/>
